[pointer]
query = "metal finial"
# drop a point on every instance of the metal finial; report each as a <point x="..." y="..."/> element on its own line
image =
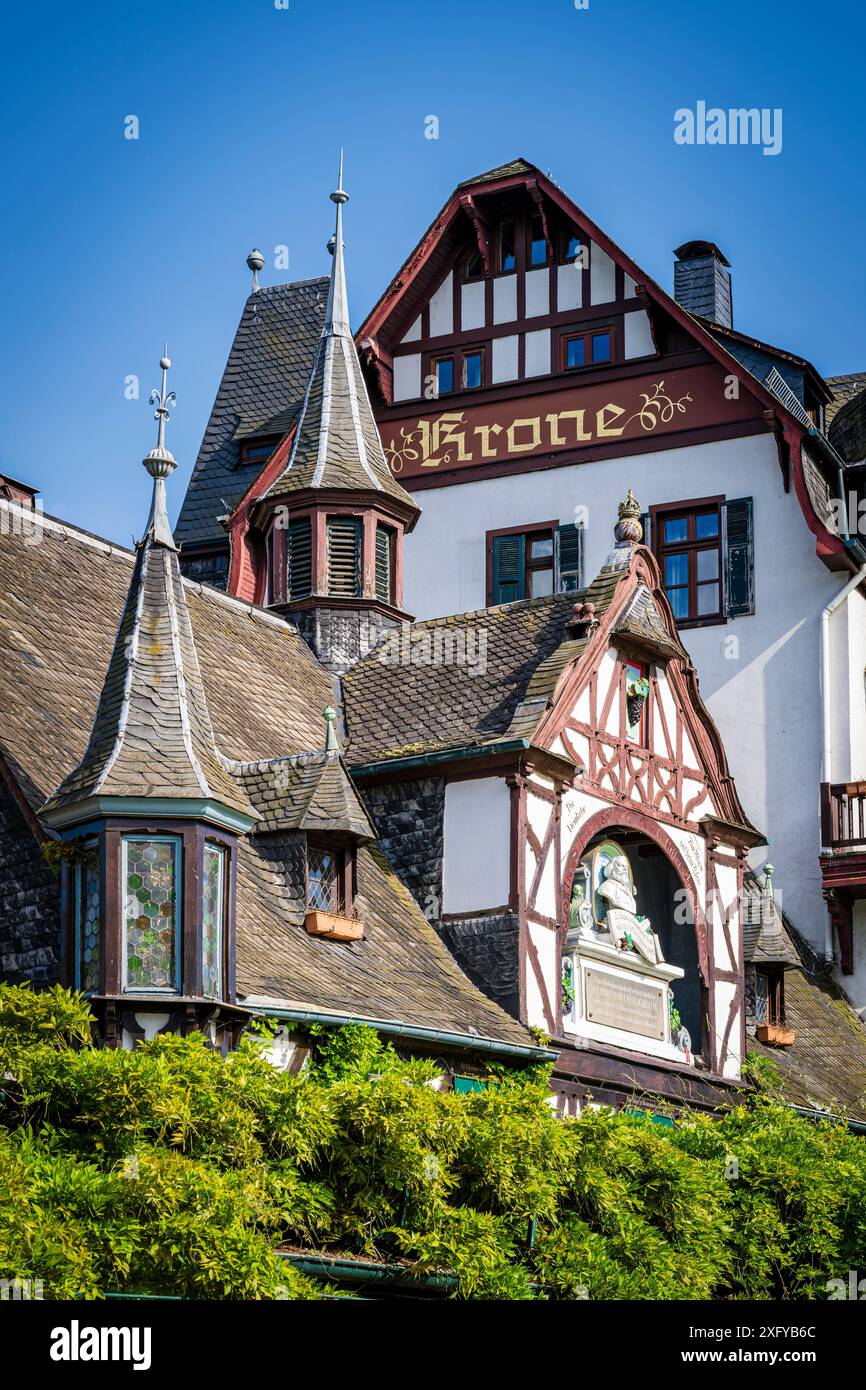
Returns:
<point x="331" y="743"/>
<point x="340" y="195"/>
<point x="160" y="464"/>
<point x="255" y="261"/>
<point x="768" y="880"/>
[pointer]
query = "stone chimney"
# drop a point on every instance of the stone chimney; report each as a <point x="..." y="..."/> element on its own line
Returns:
<point x="702" y="281"/>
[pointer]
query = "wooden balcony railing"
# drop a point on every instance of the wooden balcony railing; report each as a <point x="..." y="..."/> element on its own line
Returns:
<point x="843" y="815"/>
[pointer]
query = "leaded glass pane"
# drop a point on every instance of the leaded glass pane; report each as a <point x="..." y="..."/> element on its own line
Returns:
<point x="150" y="913"/>
<point x="88" y="924"/>
<point x="213" y="916"/>
<point x="323" y="880"/>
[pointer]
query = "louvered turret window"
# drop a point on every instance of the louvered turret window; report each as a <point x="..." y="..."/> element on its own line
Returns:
<point x="384" y="564"/>
<point x="344" y="556"/>
<point x="299" y="558"/>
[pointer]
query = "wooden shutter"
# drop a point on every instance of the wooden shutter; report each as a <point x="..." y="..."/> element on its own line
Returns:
<point x="645" y="523"/>
<point x="739" y="557"/>
<point x="384" y="554"/>
<point x="568" y="559"/>
<point x="509" y="569"/>
<point x="299" y="558"/>
<point x="344" y="556"/>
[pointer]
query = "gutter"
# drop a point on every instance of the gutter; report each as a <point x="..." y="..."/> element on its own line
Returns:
<point x="855" y="1126"/>
<point x="343" y="1270"/>
<point x="445" y="755"/>
<point x="465" y="1041"/>
<point x="826" y="746"/>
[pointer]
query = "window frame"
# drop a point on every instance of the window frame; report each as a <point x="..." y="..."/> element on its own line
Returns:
<point x="480" y="353"/>
<point x="531" y="218"/>
<point x="570" y="335"/>
<point x="344" y="856"/>
<point x="222" y="940"/>
<point x="466" y="278"/>
<point x="500" y="268"/>
<point x="177" y="841"/>
<point x="535" y="531"/>
<point x="92" y="845"/>
<point x="690" y="508"/>
<point x="453" y="358"/>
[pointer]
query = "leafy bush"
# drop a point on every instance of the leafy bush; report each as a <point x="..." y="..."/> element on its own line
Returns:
<point x="168" y="1169"/>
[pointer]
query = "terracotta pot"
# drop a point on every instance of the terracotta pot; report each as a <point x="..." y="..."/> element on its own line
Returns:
<point x="330" y="924"/>
<point x="776" y="1034"/>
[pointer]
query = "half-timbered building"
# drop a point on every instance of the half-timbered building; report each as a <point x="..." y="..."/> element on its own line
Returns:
<point x="292" y="799"/>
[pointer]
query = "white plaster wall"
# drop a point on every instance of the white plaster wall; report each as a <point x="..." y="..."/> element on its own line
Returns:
<point x="569" y="286"/>
<point x="602" y="281"/>
<point x="638" y="338"/>
<point x="725" y="990"/>
<point x="537" y="352"/>
<point x="544" y="941"/>
<point x="758" y="674"/>
<point x="407" y="377"/>
<point x="537" y="292"/>
<point x="472" y="305"/>
<point x="477" y="845"/>
<point x="414" y="332"/>
<point x="504" y="298"/>
<point x="442" y="307"/>
<point x="504" y="364"/>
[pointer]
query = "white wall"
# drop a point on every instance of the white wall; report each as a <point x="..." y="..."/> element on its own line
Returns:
<point x="476" y="871"/>
<point x="759" y="675"/>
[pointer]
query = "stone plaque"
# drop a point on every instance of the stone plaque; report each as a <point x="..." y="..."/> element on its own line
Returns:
<point x="618" y="1001"/>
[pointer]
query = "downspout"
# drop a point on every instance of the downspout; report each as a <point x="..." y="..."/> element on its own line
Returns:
<point x="826" y="748"/>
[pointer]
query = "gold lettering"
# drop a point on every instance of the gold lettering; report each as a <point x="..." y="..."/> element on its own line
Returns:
<point x="577" y="416"/>
<point x="485" y="431"/>
<point x="432" y="436"/>
<point x="533" y="443"/>
<point x="603" y="429"/>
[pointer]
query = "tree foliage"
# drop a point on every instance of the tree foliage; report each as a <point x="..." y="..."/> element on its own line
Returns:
<point x="170" y="1169"/>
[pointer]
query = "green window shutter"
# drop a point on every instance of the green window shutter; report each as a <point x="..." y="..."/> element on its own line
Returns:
<point x="739" y="544"/>
<point x="384" y="553"/>
<point x="569" y="559"/>
<point x="344" y="556"/>
<point x="299" y="558"/>
<point x="509" y="569"/>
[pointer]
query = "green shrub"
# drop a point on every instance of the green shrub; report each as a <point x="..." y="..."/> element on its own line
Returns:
<point x="171" y="1170"/>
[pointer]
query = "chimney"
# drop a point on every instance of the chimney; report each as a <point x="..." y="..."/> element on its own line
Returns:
<point x="702" y="281"/>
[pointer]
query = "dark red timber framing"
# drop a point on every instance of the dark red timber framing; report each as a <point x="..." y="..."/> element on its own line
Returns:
<point x="468" y="218"/>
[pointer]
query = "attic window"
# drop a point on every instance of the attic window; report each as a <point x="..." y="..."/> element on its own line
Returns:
<point x="443" y="373"/>
<point x="330" y="879"/>
<point x="571" y="247"/>
<point x="507" y="260"/>
<point x="473" y="265"/>
<point x="299" y="558"/>
<point x="590" y="349"/>
<point x="344" y="556"/>
<point x="537" y="242"/>
<point x="258" y="450"/>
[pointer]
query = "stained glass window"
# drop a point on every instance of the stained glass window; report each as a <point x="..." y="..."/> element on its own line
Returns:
<point x="150" y="912"/>
<point x="88" y="925"/>
<point x="212" y="918"/>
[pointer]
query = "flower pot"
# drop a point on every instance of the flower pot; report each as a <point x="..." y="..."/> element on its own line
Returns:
<point x="776" y="1034"/>
<point x="333" y="925"/>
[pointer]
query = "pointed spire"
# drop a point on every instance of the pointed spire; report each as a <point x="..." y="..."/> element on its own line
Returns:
<point x="159" y="463"/>
<point x="152" y="739"/>
<point x="337" y="443"/>
<point x="337" y="313"/>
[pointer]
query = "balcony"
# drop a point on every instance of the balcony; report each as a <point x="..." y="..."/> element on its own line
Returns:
<point x="843" y="816"/>
<point x="843" y="859"/>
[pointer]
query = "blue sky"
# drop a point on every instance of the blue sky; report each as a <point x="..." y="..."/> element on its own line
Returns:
<point x="109" y="244"/>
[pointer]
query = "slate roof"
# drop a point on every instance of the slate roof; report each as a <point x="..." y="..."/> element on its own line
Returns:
<point x="512" y="658"/>
<point x="152" y="735"/>
<point x="261" y="392"/>
<point x="765" y="937"/>
<point x="336" y="442"/>
<point x="308" y="791"/>
<point x="61" y="601"/>
<point x="844" y="389"/>
<point x="399" y="971"/>
<point x="502" y="171"/>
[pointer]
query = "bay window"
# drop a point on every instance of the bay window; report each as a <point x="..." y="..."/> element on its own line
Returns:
<point x="150" y="877"/>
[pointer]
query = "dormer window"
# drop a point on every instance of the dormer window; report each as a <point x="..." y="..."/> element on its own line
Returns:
<point x="571" y="249"/>
<point x="331" y="892"/>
